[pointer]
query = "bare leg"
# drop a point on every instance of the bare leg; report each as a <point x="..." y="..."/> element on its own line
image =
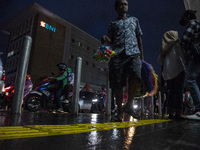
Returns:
<point x="119" y="98"/>
<point x="132" y="89"/>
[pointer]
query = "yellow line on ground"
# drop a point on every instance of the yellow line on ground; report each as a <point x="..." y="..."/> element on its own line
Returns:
<point x="28" y="131"/>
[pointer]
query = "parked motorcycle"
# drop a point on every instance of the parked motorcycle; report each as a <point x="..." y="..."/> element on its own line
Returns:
<point x="97" y="104"/>
<point x="6" y="97"/>
<point x="43" y="97"/>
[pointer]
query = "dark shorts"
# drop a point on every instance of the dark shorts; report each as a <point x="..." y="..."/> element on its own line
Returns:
<point x="123" y="67"/>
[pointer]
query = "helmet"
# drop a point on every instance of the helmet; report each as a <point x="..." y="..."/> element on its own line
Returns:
<point x="28" y="77"/>
<point x="69" y="70"/>
<point x="62" y="66"/>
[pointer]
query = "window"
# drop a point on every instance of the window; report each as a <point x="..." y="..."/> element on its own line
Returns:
<point x="80" y="44"/>
<point x="71" y="57"/>
<point x="72" y="40"/>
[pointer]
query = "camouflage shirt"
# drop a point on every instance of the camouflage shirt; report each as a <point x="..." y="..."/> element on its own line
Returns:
<point x="124" y="33"/>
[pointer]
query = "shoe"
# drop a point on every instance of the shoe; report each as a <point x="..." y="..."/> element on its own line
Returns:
<point x="52" y="110"/>
<point x="196" y="116"/>
<point x="60" y="110"/>
<point x="129" y="110"/>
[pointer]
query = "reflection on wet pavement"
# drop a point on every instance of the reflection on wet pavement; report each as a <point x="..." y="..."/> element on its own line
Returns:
<point x="128" y="137"/>
<point x="45" y="130"/>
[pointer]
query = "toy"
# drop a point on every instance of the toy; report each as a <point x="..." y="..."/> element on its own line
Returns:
<point x="103" y="53"/>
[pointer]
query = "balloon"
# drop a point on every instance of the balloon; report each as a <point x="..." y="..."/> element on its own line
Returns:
<point x="100" y="53"/>
<point x="109" y="56"/>
<point x="103" y="53"/>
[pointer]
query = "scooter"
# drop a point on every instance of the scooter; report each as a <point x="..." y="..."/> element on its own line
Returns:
<point x="6" y="98"/>
<point x="43" y="97"/>
<point x="97" y="104"/>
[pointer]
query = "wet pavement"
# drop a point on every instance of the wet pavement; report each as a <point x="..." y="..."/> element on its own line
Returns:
<point x="45" y="130"/>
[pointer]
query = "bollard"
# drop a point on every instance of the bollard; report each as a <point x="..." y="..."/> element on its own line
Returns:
<point x="77" y="85"/>
<point x="152" y="105"/>
<point x="160" y="105"/>
<point x="142" y="106"/>
<point x="21" y="75"/>
<point x="108" y="96"/>
<point x="15" y="120"/>
<point x="108" y="102"/>
<point x="164" y="105"/>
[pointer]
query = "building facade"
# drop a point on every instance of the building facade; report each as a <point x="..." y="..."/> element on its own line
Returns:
<point x="54" y="40"/>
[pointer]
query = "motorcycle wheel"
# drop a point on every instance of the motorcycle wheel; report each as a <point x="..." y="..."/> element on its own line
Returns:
<point x="33" y="103"/>
<point x="3" y="103"/>
<point x="94" y="108"/>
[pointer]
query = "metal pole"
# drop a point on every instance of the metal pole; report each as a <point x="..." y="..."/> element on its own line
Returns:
<point x="142" y="106"/>
<point x="21" y="74"/>
<point x="108" y="96"/>
<point x="160" y="105"/>
<point x="77" y="85"/>
<point x="152" y="105"/>
<point x="164" y="106"/>
<point x="15" y="120"/>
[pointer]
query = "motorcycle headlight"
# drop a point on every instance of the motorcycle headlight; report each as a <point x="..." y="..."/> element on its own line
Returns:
<point x="6" y="93"/>
<point x="135" y="106"/>
<point x="94" y="100"/>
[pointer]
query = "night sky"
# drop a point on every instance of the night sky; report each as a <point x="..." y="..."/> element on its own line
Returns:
<point x="92" y="16"/>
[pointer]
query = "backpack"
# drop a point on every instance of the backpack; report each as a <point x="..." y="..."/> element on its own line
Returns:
<point x="70" y="78"/>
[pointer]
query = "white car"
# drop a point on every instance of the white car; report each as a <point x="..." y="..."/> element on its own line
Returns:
<point x="85" y="101"/>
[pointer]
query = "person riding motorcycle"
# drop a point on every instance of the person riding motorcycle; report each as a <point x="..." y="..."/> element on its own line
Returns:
<point x="61" y="85"/>
<point x="102" y="96"/>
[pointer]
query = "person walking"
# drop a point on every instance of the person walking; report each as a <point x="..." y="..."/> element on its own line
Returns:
<point x="189" y="20"/>
<point x="171" y="58"/>
<point x="124" y="35"/>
